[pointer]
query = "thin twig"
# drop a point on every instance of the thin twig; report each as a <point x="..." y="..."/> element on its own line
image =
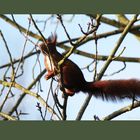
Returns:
<point x="118" y="71"/>
<point x="26" y="91"/>
<point x="117" y="24"/>
<point x="80" y="40"/>
<point x="12" y="73"/>
<point x="124" y="33"/>
<point x="40" y="110"/>
<point x="5" y="18"/>
<point x="61" y="21"/>
<point x="20" y="59"/>
<point x="109" y="60"/>
<point x="29" y="87"/>
<point x="65" y="107"/>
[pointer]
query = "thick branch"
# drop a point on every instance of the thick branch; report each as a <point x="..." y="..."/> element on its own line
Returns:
<point x="5" y="18"/>
<point x="121" y="111"/>
<point x="117" y="24"/>
<point x="109" y="60"/>
<point x="6" y="116"/>
<point x="26" y="91"/>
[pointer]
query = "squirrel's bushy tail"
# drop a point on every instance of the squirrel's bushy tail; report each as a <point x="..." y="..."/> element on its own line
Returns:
<point x="114" y="89"/>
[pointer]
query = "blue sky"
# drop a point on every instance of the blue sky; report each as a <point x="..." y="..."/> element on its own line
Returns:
<point x="96" y="107"/>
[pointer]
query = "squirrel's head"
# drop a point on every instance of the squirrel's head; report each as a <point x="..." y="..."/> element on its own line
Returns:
<point x="49" y="46"/>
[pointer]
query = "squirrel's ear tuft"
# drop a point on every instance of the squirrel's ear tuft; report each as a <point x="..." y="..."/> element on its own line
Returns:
<point x="52" y="39"/>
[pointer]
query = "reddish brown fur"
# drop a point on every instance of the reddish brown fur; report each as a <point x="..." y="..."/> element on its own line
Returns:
<point x="74" y="81"/>
<point x="113" y="89"/>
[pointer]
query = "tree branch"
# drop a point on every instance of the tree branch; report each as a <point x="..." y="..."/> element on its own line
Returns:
<point x="121" y="111"/>
<point x="117" y="24"/>
<point x="19" y="27"/>
<point x="109" y="60"/>
<point x="26" y="91"/>
<point x="6" y="116"/>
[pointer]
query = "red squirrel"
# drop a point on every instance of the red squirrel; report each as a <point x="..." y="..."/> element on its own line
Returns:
<point x="74" y="81"/>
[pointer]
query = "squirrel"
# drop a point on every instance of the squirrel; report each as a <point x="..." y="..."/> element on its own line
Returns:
<point x="73" y="79"/>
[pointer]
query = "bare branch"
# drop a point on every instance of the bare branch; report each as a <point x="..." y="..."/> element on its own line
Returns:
<point x="109" y="60"/>
<point x="6" y="116"/>
<point x="122" y="111"/>
<point x="26" y="91"/>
